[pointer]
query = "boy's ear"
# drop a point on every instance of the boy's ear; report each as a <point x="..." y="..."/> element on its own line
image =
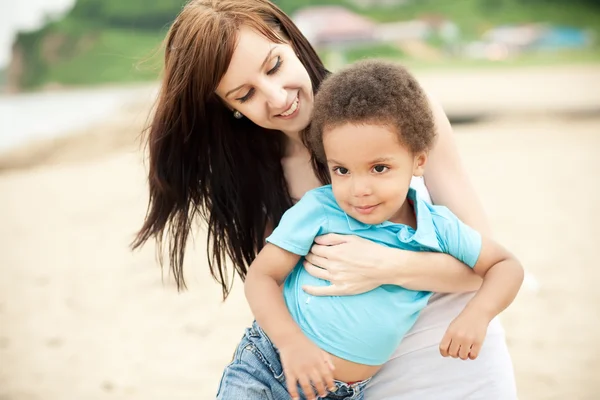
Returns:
<point x="419" y="164"/>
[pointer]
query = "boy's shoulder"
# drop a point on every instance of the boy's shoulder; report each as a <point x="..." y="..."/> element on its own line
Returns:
<point x="322" y="194"/>
<point x="441" y="216"/>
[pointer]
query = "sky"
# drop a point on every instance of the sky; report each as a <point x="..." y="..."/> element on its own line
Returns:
<point x="24" y="15"/>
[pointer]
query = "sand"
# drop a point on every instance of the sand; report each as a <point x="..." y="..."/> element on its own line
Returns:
<point x="82" y="317"/>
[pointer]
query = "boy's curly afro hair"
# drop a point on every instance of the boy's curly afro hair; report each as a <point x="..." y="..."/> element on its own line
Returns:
<point x="373" y="92"/>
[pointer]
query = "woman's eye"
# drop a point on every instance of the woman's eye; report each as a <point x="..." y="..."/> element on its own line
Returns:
<point x="272" y="71"/>
<point x="380" y="169"/>
<point x="247" y="97"/>
<point x="276" y="67"/>
<point x="341" y="170"/>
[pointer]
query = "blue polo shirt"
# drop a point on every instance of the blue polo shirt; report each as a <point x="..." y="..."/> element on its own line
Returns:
<point x="368" y="327"/>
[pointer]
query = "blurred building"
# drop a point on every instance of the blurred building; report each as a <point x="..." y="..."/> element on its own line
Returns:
<point x="334" y="26"/>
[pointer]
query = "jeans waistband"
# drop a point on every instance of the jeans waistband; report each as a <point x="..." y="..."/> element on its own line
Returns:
<point x="341" y="387"/>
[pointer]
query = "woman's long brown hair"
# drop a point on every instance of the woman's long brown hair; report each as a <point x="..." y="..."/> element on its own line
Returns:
<point x="202" y="161"/>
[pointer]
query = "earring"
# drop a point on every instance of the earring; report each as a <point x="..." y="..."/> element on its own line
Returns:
<point x="237" y="114"/>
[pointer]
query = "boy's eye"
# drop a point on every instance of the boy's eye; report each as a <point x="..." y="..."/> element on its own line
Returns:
<point x="380" y="169"/>
<point x="341" y="170"/>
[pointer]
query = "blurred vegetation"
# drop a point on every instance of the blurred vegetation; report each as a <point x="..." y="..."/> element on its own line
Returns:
<point x="102" y="41"/>
<point x="98" y="41"/>
<point x="476" y="16"/>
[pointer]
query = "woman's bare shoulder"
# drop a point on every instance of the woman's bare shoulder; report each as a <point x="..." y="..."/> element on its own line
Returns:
<point x="299" y="176"/>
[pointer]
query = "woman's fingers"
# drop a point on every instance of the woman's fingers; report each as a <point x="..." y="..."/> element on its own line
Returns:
<point x="320" y="250"/>
<point x="316" y="260"/>
<point x="316" y="271"/>
<point x="330" y="290"/>
<point x="331" y="239"/>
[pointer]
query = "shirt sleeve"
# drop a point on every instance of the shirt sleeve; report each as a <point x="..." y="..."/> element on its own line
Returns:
<point x="457" y="238"/>
<point x="300" y="225"/>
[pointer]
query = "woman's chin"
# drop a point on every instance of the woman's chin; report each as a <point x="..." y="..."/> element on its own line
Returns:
<point x="295" y="125"/>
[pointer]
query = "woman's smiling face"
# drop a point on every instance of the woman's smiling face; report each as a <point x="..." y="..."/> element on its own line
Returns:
<point x="267" y="83"/>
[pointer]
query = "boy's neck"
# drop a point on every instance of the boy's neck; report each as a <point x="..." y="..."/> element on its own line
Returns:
<point x="406" y="214"/>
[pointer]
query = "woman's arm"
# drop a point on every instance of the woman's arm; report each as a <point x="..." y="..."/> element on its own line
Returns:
<point x="355" y="265"/>
<point x="447" y="180"/>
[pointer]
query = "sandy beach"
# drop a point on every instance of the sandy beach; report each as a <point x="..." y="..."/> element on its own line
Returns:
<point x="82" y="317"/>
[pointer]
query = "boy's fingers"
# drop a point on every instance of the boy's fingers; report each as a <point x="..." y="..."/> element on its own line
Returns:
<point x="307" y="388"/>
<point x="464" y="350"/>
<point x="445" y="345"/>
<point x="453" y="349"/>
<point x="292" y="385"/>
<point x="474" y="351"/>
<point x="327" y="375"/>
<point x="318" y="381"/>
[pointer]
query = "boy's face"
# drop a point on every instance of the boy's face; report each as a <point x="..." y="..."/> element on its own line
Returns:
<point x="370" y="170"/>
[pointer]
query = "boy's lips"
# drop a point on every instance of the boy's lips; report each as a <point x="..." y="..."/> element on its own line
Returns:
<point x="365" y="209"/>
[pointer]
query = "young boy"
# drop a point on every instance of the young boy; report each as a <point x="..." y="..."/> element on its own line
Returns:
<point x="372" y="127"/>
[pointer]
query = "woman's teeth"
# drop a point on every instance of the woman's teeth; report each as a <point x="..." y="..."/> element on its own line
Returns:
<point x="291" y="110"/>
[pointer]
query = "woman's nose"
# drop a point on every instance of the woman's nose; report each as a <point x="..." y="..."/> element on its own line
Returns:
<point x="276" y="98"/>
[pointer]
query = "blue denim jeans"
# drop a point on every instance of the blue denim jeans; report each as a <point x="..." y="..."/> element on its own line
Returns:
<point x="256" y="373"/>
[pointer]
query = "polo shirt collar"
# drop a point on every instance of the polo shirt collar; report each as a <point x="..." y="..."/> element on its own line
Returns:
<point x="424" y="234"/>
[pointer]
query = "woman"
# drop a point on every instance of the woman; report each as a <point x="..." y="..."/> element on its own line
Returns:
<point x="225" y="144"/>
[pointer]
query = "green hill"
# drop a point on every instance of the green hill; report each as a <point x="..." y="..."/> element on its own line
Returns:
<point x="97" y="41"/>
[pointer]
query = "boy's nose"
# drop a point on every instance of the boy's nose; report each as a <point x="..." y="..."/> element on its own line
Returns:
<point x="361" y="187"/>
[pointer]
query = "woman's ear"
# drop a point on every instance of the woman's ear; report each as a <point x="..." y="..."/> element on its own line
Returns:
<point x="419" y="163"/>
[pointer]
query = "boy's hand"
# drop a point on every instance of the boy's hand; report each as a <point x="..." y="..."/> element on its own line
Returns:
<point x="305" y="363"/>
<point x="465" y="335"/>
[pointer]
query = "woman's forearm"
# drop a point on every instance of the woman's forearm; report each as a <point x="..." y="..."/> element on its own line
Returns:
<point x="434" y="272"/>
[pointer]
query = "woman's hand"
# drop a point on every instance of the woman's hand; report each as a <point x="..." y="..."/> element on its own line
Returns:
<point x="352" y="264"/>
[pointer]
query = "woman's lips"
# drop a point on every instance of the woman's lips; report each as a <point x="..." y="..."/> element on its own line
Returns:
<point x="292" y="111"/>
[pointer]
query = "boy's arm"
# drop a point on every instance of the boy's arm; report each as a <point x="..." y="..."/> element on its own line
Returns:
<point x="502" y="277"/>
<point x="304" y="364"/>
<point x="262" y="287"/>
